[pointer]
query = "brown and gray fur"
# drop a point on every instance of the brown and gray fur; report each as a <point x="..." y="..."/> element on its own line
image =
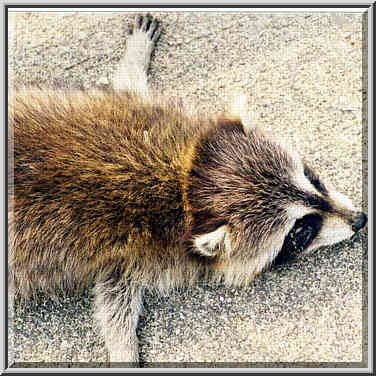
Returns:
<point x="114" y="187"/>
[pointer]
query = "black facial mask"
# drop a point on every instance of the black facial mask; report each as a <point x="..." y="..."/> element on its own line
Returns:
<point x="299" y="238"/>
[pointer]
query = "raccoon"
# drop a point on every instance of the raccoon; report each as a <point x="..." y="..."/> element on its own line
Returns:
<point x="120" y="188"/>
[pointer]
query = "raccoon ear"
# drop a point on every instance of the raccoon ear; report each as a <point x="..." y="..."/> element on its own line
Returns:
<point x="212" y="243"/>
<point x="239" y="108"/>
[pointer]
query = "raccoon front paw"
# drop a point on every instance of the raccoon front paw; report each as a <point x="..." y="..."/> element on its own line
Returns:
<point x="123" y="354"/>
<point x="141" y="41"/>
<point x="148" y="26"/>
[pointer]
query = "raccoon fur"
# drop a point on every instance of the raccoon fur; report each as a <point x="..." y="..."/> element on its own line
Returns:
<point x="112" y="187"/>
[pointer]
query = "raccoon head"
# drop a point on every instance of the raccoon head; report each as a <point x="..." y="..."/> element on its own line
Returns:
<point x="252" y="200"/>
<point x="327" y="222"/>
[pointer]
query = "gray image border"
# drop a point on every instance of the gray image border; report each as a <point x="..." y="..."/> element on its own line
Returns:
<point x="368" y="80"/>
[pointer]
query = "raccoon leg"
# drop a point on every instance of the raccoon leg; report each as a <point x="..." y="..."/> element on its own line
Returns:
<point x="132" y="71"/>
<point x="117" y="310"/>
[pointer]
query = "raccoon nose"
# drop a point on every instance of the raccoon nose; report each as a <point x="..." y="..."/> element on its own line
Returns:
<point x="359" y="221"/>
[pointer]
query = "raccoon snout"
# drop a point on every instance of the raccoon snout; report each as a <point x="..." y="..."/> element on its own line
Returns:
<point x="359" y="221"/>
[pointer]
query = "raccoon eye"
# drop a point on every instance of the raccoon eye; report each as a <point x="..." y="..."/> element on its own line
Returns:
<point x="315" y="180"/>
<point x="299" y="238"/>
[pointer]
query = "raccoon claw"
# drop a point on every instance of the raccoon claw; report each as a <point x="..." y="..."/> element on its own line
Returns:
<point x="145" y="23"/>
<point x="138" y="21"/>
<point x="155" y="30"/>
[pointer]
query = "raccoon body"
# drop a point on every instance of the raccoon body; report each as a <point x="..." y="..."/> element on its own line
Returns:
<point x="104" y="179"/>
<point x="111" y="187"/>
<point x="91" y="183"/>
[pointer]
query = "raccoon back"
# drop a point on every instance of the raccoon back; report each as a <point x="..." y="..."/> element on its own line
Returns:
<point x="92" y="172"/>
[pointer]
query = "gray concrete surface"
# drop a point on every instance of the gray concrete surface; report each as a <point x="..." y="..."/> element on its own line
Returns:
<point x="303" y="75"/>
